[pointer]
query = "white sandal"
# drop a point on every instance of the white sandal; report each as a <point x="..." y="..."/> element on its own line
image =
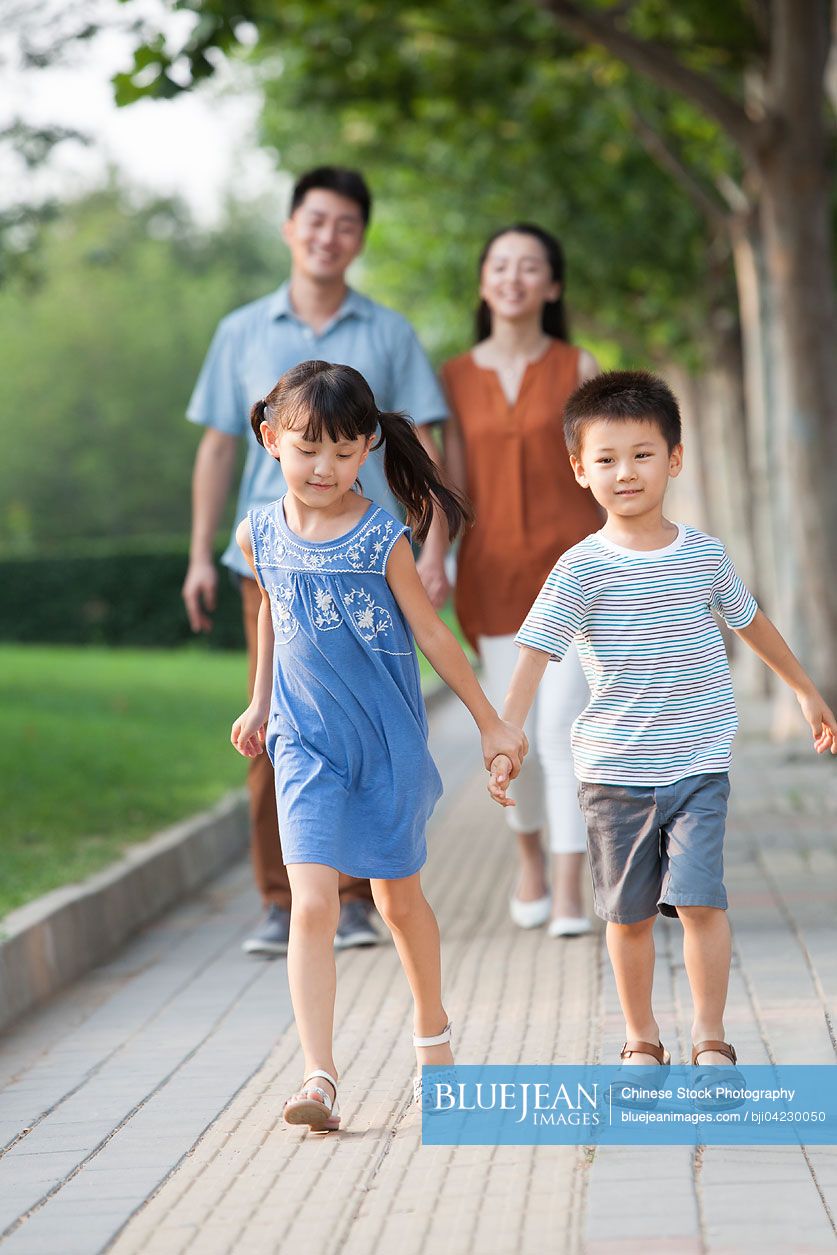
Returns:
<point x="419" y="1097"/>
<point x="320" y="1114"/>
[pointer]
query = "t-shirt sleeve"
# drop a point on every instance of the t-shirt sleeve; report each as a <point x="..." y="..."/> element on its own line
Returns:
<point x="217" y="400"/>
<point x="730" y="596"/>
<point x="556" y="616"/>
<point x="414" y="387"/>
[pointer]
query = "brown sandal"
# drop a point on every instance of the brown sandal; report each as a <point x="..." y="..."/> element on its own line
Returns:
<point x="659" y="1051"/>
<point x="627" y="1075"/>
<point x="716" y="1076"/>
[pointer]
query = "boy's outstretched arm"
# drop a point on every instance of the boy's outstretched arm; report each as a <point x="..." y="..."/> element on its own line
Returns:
<point x="766" y="641"/>
<point x="526" y="677"/>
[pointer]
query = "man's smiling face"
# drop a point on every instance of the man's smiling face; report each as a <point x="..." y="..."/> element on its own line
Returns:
<point x="324" y="234"/>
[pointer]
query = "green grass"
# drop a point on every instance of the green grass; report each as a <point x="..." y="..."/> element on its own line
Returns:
<point x="100" y="748"/>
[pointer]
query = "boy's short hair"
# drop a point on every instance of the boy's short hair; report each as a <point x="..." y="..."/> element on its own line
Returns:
<point x="635" y="395"/>
<point x="339" y="179"/>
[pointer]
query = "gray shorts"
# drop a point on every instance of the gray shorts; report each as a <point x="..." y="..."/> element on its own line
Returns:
<point x="656" y="848"/>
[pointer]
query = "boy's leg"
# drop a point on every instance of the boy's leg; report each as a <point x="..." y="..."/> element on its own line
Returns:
<point x="693" y="888"/>
<point x="312" y="975"/>
<point x="707" y="950"/>
<point x="631" y="950"/>
<point x="410" y="919"/>
<point x="623" y="834"/>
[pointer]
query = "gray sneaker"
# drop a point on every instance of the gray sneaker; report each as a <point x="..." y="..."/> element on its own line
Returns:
<point x="354" y="928"/>
<point x="271" y="937"/>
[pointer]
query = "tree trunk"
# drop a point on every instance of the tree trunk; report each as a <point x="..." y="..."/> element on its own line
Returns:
<point x="795" y="222"/>
<point x="727" y="456"/>
<point x="689" y="498"/>
<point x="760" y="394"/>
<point x="785" y="152"/>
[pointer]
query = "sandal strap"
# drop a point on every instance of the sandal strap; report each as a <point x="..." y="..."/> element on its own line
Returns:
<point x="325" y="1075"/>
<point x="318" y="1089"/>
<point x="328" y="1101"/>
<point x="722" y="1047"/>
<point x="439" y="1040"/>
<point x="643" y="1048"/>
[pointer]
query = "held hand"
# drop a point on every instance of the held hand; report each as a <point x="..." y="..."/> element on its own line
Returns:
<point x="432" y="575"/>
<point x="821" y="720"/>
<point x="505" y="738"/>
<point x="500" y="779"/>
<point x="200" y="592"/>
<point x="248" y="733"/>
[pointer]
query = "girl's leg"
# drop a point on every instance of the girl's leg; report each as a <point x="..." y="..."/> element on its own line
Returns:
<point x="409" y="917"/>
<point x="707" y="951"/>
<point x="631" y="950"/>
<point x="312" y="976"/>
<point x="562" y="696"/>
<point x="499" y="656"/>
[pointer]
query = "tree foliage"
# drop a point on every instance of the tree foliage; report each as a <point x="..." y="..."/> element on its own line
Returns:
<point x="472" y="115"/>
<point x="98" y="360"/>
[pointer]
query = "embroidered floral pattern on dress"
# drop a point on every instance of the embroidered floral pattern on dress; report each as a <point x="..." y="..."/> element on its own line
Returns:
<point x="326" y="615"/>
<point x="369" y="619"/>
<point x="307" y="582"/>
<point x="363" y="550"/>
<point x="285" y="626"/>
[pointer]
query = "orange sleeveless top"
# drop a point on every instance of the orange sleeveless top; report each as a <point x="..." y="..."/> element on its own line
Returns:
<point x="528" y="506"/>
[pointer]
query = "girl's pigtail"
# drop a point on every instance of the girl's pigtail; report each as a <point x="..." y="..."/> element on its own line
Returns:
<point x="416" y="480"/>
<point x="258" y="415"/>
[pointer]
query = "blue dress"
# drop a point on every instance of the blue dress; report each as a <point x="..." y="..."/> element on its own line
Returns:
<point x="347" y="733"/>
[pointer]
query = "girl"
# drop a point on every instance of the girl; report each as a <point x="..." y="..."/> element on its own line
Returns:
<point x="337" y="702"/>
<point x="505" y="447"/>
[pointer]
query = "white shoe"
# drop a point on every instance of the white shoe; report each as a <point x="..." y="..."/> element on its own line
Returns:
<point x="569" y="926"/>
<point x="530" y="914"/>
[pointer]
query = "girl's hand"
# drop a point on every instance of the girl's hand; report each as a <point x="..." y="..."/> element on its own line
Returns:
<point x="504" y="738"/>
<point x="248" y="733"/>
<point x="500" y="779"/>
<point x="821" y="720"/>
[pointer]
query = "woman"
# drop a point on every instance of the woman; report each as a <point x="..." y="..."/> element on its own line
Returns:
<point x="505" y="448"/>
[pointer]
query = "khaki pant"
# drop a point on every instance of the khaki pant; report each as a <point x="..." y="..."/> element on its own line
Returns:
<point x="265" y="849"/>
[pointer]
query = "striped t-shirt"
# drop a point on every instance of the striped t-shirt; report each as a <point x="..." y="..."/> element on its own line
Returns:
<point x="661" y="704"/>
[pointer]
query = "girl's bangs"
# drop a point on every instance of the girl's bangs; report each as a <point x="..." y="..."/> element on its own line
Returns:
<point x="313" y="423"/>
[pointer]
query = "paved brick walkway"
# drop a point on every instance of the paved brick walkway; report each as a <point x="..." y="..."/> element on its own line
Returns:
<point x="140" y="1111"/>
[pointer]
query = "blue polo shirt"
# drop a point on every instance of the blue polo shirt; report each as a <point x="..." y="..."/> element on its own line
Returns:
<point x="257" y="343"/>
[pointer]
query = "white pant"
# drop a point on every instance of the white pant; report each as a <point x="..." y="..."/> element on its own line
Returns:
<point x="545" y="790"/>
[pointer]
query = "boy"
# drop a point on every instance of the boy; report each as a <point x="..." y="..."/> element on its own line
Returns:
<point x="652" y="748"/>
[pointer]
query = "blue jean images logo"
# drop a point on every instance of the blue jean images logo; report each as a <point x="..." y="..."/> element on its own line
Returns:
<point x="594" y="1104"/>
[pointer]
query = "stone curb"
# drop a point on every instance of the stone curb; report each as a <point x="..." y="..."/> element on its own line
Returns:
<point x="50" y="942"/>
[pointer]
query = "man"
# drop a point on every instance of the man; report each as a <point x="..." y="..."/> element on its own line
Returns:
<point x="314" y="315"/>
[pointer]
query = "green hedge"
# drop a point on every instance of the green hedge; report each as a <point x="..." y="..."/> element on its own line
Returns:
<point x="109" y="597"/>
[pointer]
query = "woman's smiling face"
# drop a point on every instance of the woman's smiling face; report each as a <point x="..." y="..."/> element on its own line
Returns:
<point x="516" y="277"/>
